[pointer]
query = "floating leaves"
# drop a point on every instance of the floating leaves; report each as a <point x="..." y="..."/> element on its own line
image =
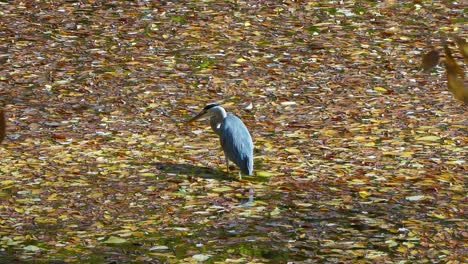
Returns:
<point x="358" y="157"/>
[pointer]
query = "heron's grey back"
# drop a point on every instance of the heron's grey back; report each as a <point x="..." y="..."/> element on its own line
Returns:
<point x="237" y="143"/>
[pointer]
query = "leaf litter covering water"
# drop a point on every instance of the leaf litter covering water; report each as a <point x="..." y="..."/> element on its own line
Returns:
<point x="360" y="155"/>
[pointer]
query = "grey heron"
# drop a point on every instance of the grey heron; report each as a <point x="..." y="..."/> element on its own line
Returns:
<point x="234" y="137"/>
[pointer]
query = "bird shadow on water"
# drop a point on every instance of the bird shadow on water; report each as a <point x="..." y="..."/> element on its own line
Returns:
<point x="200" y="171"/>
<point x="192" y="171"/>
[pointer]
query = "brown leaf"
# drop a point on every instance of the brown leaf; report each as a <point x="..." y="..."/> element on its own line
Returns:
<point x="430" y="60"/>
<point x="58" y="136"/>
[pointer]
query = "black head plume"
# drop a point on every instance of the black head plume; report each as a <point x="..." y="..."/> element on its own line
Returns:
<point x="208" y="106"/>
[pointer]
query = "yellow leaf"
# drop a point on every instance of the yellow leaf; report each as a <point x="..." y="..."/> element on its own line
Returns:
<point x="63" y="217"/>
<point x="265" y="174"/>
<point x="402" y="249"/>
<point x="147" y="174"/>
<point x="428" y="138"/>
<point x="329" y="132"/>
<point x="45" y="220"/>
<point x="407" y="154"/>
<point x="408" y="244"/>
<point x="138" y="234"/>
<point x="52" y="197"/>
<point x="95" y="195"/>
<point x="380" y="89"/>
<point x="391" y="243"/>
<point x="276" y="211"/>
<point x="364" y="194"/>
<point x="115" y="240"/>
<point x="440" y="216"/>
<point x="240" y="60"/>
<point x="293" y="150"/>
<point x="221" y="189"/>
<point x="7" y="182"/>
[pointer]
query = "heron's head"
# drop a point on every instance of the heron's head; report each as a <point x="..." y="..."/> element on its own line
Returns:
<point x="207" y="111"/>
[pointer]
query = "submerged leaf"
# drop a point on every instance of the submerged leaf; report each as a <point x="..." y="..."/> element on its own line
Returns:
<point x="430" y="60"/>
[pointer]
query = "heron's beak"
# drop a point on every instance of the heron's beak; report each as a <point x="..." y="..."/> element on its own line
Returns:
<point x="198" y="116"/>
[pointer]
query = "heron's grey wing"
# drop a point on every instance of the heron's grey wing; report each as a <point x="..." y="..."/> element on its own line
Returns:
<point x="237" y="143"/>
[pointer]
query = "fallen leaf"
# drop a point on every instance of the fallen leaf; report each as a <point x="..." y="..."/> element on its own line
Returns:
<point x="157" y="248"/>
<point x="380" y="89"/>
<point x="415" y="197"/>
<point x="364" y="194"/>
<point x="115" y="240"/>
<point x="265" y="174"/>
<point x="430" y="60"/>
<point x="428" y="138"/>
<point x="31" y="248"/>
<point x="201" y="257"/>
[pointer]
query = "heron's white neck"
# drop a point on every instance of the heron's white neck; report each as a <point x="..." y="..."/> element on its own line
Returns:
<point x="218" y="112"/>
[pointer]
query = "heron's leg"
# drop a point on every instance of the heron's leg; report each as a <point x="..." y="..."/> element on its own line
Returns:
<point x="227" y="163"/>
<point x="240" y="175"/>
